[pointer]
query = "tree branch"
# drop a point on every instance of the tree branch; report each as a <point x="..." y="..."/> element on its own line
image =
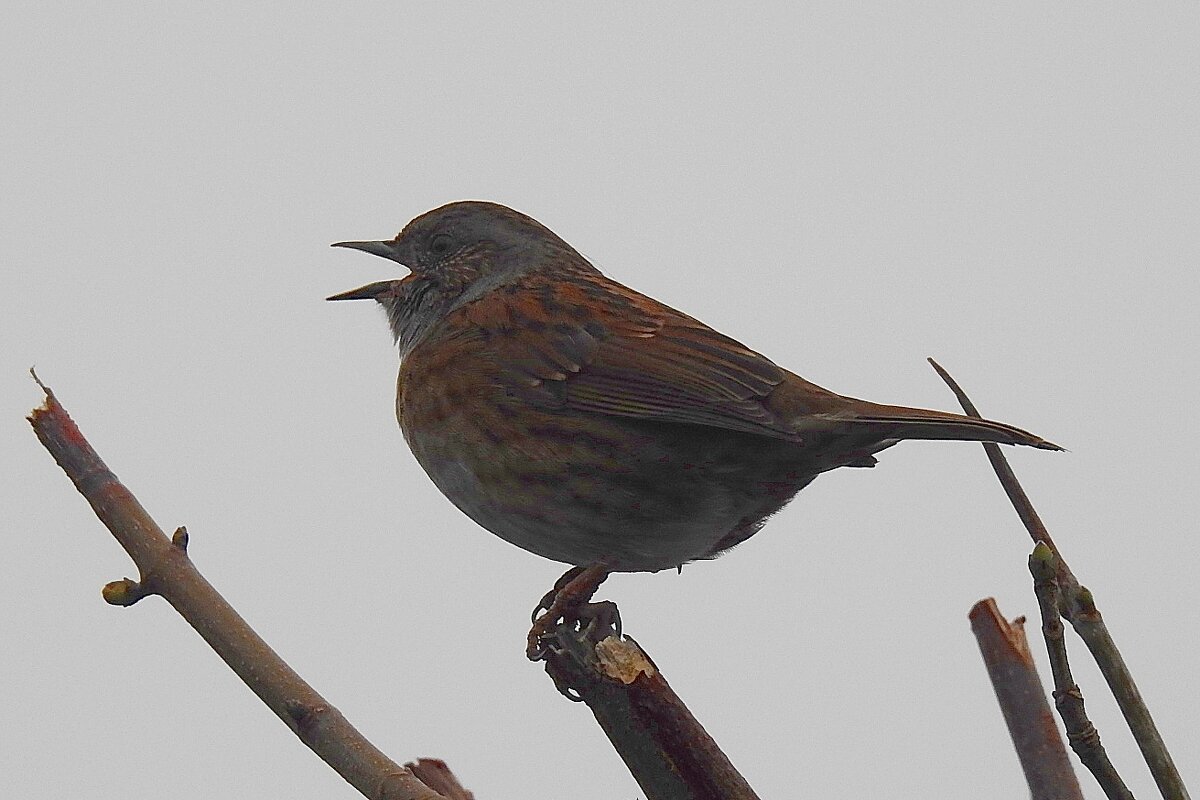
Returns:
<point x="1022" y="700"/>
<point x="166" y="570"/>
<point x="1084" y="738"/>
<point x="1077" y="606"/>
<point x="669" y="753"/>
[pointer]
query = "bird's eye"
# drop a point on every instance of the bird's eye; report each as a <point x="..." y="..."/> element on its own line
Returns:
<point x="441" y="244"/>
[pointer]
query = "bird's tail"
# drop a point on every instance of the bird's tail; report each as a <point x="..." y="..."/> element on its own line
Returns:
<point x="901" y="422"/>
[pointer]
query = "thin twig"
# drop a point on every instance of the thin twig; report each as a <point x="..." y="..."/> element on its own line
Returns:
<point x="1008" y="479"/>
<point x="1077" y="606"/>
<point x="166" y="570"/>
<point x="1088" y="623"/>
<point x="1084" y="738"/>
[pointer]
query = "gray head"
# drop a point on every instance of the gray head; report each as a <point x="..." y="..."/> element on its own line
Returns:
<point x="456" y="254"/>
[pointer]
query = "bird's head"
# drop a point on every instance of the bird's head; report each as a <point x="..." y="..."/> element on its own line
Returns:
<point x="456" y="254"/>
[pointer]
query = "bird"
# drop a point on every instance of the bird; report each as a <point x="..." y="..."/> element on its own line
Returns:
<point x="593" y="425"/>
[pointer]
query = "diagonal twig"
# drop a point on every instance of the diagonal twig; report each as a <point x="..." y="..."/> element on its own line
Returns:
<point x="1078" y="607"/>
<point x="1068" y="699"/>
<point x="665" y="748"/>
<point x="166" y="570"/>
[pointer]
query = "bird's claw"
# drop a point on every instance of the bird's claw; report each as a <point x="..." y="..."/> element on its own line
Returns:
<point x="603" y="620"/>
<point x="548" y="598"/>
<point x="569" y="603"/>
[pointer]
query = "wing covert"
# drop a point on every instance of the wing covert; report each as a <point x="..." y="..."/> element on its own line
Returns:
<point x="592" y="345"/>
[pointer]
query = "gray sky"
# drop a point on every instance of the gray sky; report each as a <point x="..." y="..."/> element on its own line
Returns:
<point x="1012" y="190"/>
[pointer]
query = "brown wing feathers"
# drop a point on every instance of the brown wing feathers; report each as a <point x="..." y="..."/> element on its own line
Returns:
<point x="628" y="355"/>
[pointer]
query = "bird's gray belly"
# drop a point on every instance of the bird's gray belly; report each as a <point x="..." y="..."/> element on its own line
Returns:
<point x="638" y="496"/>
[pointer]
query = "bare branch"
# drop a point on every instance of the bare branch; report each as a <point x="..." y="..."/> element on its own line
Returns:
<point x="669" y="753"/>
<point x="166" y="570"/>
<point x="1076" y="605"/>
<point x="1008" y="479"/>
<point x="1084" y="738"/>
<point x="1022" y="700"/>
<point x="1088" y="623"/>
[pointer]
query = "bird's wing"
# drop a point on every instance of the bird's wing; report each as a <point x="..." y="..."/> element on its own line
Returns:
<point x="592" y="345"/>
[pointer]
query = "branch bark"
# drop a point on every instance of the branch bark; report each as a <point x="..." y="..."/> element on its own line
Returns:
<point x="1084" y="738"/>
<point x="1023" y="703"/>
<point x="1076" y="604"/>
<point x="166" y="570"/>
<point x="666" y="749"/>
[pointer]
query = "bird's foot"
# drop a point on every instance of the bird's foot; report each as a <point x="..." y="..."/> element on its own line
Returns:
<point x="560" y="584"/>
<point x="569" y="602"/>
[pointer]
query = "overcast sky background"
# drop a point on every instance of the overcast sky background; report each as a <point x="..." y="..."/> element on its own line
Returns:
<point x="1014" y="190"/>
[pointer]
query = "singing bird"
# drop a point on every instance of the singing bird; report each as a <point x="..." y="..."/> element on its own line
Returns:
<point x="590" y="424"/>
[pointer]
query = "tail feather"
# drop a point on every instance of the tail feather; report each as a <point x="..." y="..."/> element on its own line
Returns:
<point x="900" y="422"/>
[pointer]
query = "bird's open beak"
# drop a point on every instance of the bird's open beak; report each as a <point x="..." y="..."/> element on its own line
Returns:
<point x="372" y="290"/>
<point x="369" y="292"/>
<point x="382" y="249"/>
